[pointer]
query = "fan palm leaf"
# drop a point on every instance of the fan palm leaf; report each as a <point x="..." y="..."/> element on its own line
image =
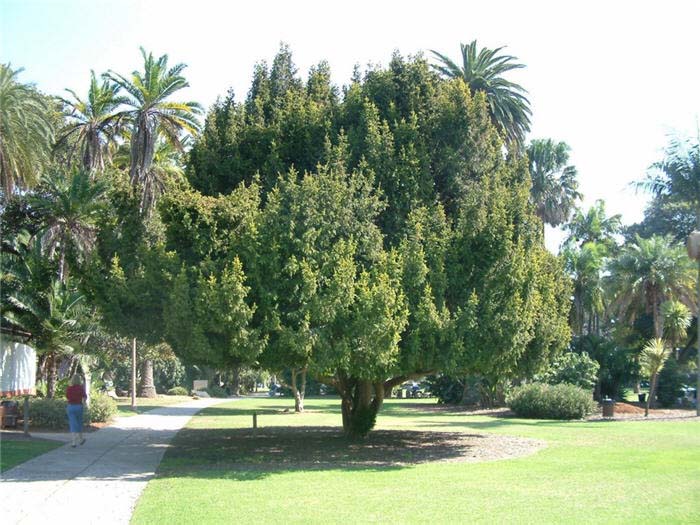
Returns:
<point x="483" y="70"/>
<point x="152" y="115"/>
<point x="26" y="132"/>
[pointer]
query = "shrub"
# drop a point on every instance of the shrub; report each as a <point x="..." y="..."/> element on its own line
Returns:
<point x="543" y="401"/>
<point x="573" y="369"/>
<point x="102" y="408"/>
<point x="216" y="391"/>
<point x="48" y="413"/>
<point x="671" y="382"/>
<point x="178" y="391"/>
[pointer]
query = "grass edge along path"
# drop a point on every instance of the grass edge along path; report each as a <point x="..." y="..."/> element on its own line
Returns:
<point x="18" y="450"/>
<point x="590" y="472"/>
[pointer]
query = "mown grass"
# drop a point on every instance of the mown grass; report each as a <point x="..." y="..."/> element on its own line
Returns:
<point x="16" y="451"/>
<point x="590" y="472"/>
<point x="144" y="404"/>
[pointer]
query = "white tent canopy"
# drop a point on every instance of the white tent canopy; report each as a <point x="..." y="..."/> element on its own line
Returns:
<point x="17" y="369"/>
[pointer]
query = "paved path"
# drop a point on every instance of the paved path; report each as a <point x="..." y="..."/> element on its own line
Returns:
<point x="100" y="481"/>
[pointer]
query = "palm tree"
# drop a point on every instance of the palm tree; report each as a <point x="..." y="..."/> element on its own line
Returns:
<point x="166" y="168"/>
<point x="152" y="114"/>
<point x="483" y="70"/>
<point x="676" y="320"/>
<point x="677" y="177"/>
<point x="38" y="307"/>
<point x="648" y="272"/>
<point x="652" y="360"/>
<point x="69" y="206"/>
<point x="26" y="132"/>
<point x="93" y="124"/>
<point x="585" y="266"/>
<point x="593" y="226"/>
<point x="554" y="186"/>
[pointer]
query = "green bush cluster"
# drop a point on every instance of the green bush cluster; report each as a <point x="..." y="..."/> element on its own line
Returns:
<point x="574" y="369"/>
<point x="216" y="391"/>
<point x="177" y="391"/>
<point x="543" y="401"/>
<point x="51" y="413"/>
<point x="102" y="408"/>
<point x="48" y="413"/>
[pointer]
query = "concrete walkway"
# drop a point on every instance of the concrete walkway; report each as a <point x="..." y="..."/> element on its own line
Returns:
<point x="100" y="481"/>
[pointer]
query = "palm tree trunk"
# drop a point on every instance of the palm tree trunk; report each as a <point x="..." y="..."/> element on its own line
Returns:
<point x="51" y="376"/>
<point x="133" y="374"/>
<point x="658" y="329"/>
<point x="147" y="388"/>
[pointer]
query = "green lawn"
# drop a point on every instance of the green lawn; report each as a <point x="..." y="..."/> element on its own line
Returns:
<point x="590" y="472"/>
<point x="144" y="404"/>
<point x="16" y="451"/>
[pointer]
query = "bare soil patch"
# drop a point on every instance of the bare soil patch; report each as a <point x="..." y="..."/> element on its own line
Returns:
<point x="635" y="412"/>
<point x="278" y="448"/>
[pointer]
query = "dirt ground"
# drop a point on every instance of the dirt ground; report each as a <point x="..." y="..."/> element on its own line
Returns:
<point x="623" y="412"/>
<point x="635" y="412"/>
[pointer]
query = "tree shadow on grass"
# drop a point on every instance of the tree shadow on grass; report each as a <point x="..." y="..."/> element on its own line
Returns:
<point x="246" y="454"/>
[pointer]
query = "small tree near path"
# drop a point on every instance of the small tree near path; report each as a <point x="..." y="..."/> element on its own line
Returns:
<point x="652" y="360"/>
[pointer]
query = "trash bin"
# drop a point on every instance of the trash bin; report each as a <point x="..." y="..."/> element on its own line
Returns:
<point x="608" y="407"/>
<point x="642" y="398"/>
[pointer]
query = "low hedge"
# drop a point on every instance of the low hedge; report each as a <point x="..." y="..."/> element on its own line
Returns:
<point x="216" y="391"/>
<point x="541" y="401"/>
<point x="178" y="391"/>
<point x="51" y="413"/>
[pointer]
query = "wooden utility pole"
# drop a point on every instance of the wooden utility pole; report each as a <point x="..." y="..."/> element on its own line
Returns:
<point x="133" y="374"/>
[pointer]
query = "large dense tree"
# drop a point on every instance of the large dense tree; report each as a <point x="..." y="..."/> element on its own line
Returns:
<point x="26" y="132"/>
<point x="393" y="239"/>
<point x="482" y="69"/>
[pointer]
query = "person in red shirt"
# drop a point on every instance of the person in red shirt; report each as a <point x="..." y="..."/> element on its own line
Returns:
<point x="76" y="396"/>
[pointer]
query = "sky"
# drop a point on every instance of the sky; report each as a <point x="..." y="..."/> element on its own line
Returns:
<point x="612" y="79"/>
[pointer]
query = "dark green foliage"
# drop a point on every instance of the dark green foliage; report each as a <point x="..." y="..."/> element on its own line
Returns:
<point x="574" y="369"/>
<point x="129" y="274"/>
<point x="362" y="422"/>
<point x="540" y="401"/>
<point x="177" y="391"/>
<point x="367" y="240"/>
<point x="447" y="389"/>
<point x="48" y="413"/>
<point x="670" y="383"/>
<point x="51" y="413"/>
<point x="216" y="391"/>
<point x="617" y="364"/>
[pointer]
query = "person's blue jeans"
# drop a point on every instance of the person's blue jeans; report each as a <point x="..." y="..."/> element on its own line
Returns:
<point x="75" y="417"/>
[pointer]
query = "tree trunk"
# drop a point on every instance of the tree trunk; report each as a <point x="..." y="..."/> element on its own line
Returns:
<point x="299" y="392"/>
<point x="650" y="398"/>
<point x="147" y="388"/>
<point x="51" y="375"/>
<point x="133" y="374"/>
<point x="361" y="401"/>
<point x="658" y="327"/>
<point x="236" y="386"/>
